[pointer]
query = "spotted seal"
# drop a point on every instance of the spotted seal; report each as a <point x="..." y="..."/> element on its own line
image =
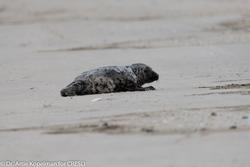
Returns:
<point x="112" y="79"/>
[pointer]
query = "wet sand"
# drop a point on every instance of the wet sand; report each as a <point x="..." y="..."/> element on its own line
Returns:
<point x="198" y="116"/>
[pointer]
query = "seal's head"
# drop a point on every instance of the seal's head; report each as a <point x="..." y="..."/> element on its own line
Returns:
<point x="144" y="73"/>
<point x="75" y="88"/>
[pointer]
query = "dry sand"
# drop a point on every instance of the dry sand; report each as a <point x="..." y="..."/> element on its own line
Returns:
<point x="198" y="116"/>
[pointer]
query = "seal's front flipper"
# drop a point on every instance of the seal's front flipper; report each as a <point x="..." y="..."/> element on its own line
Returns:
<point x="145" y="89"/>
<point x="149" y="88"/>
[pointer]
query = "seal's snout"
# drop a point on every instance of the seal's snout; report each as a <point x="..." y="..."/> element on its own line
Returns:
<point x="63" y="93"/>
<point x="154" y="76"/>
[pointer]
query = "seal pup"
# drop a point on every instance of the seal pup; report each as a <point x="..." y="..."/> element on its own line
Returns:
<point x="112" y="79"/>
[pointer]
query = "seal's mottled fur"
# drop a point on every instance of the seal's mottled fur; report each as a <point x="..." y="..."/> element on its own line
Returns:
<point x="112" y="79"/>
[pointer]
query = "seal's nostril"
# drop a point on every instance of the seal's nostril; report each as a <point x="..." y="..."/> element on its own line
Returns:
<point x="157" y="76"/>
<point x="63" y="93"/>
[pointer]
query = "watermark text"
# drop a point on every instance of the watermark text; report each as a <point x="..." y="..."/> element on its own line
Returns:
<point x="70" y="163"/>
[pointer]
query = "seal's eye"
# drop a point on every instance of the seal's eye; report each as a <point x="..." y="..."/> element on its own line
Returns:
<point x="80" y="84"/>
<point x="147" y="70"/>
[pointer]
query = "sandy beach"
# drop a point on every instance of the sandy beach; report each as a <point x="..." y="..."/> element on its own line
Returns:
<point x="199" y="114"/>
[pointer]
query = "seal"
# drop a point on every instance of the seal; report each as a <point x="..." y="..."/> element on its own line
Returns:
<point x="112" y="79"/>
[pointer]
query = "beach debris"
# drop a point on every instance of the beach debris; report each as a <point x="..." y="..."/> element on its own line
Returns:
<point x="228" y="86"/>
<point x="96" y="99"/>
<point x="203" y="129"/>
<point x="147" y="130"/>
<point x="244" y="117"/>
<point x="213" y="114"/>
<point x="47" y="105"/>
<point x="233" y="127"/>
